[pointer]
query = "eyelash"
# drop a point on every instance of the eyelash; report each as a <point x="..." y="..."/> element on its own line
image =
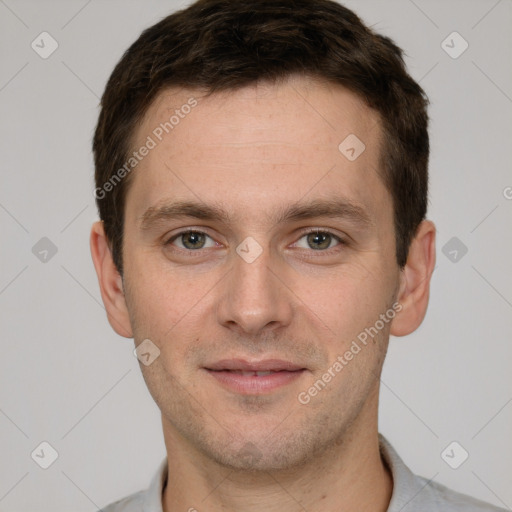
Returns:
<point x="341" y="241"/>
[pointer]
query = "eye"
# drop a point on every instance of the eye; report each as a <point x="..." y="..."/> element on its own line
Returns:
<point x="192" y="240"/>
<point x="318" y="241"/>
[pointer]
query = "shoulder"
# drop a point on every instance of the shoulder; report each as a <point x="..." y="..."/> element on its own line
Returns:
<point x="149" y="500"/>
<point x="447" y="500"/>
<point x="412" y="493"/>
<point x="131" y="503"/>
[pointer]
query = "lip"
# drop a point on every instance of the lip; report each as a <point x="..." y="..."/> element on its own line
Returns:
<point x="254" y="366"/>
<point x="228" y="373"/>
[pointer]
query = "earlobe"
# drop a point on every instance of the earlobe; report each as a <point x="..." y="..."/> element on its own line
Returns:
<point x="415" y="278"/>
<point x="110" y="281"/>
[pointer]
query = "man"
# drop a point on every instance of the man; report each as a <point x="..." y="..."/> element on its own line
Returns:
<point x="261" y="178"/>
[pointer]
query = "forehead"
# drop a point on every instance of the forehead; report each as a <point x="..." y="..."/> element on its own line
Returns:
<point x="320" y="113"/>
<point x="275" y="142"/>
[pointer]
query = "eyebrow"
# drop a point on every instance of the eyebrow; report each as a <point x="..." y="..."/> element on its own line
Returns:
<point x="158" y="215"/>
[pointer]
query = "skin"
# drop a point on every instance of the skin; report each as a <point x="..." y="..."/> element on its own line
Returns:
<point x="254" y="152"/>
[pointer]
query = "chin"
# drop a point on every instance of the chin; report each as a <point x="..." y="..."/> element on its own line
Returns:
<point x="261" y="455"/>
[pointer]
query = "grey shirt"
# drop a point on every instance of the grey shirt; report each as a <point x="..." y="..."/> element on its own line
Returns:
<point x="411" y="493"/>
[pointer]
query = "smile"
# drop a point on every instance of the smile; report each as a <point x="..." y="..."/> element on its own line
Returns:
<point x="250" y="378"/>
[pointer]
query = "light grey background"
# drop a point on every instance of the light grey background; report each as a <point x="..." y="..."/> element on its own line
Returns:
<point x="68" y="379"/>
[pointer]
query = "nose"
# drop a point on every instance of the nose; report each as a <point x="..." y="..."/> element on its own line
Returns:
<point x="254" y="297"/>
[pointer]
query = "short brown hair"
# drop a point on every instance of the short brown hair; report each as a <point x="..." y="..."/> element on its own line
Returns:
<point x="219" y="45"/>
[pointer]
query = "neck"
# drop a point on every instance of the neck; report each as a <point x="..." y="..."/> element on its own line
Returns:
<point x="349" y="476"/>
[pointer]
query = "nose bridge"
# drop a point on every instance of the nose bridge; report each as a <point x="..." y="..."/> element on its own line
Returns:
<point x="253" y="297"/>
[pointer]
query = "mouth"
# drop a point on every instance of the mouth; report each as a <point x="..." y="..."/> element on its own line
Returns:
<point x="251" y="373"/>
<point x="256" y="377"/>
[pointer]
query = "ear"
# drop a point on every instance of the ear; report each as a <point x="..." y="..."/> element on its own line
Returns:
<point x="415" y="281"/>
<point x="110" y="281"/>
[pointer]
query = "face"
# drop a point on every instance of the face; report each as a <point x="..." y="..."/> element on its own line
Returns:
<point x="255" y="254"/>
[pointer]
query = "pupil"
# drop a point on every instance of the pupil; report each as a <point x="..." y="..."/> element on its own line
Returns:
<point x="193" y="240"/>
<point x="319" y="240"/>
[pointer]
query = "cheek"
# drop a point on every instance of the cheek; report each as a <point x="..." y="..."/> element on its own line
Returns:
<point x="170" y="307"/>
<point x="348" y="298"/>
